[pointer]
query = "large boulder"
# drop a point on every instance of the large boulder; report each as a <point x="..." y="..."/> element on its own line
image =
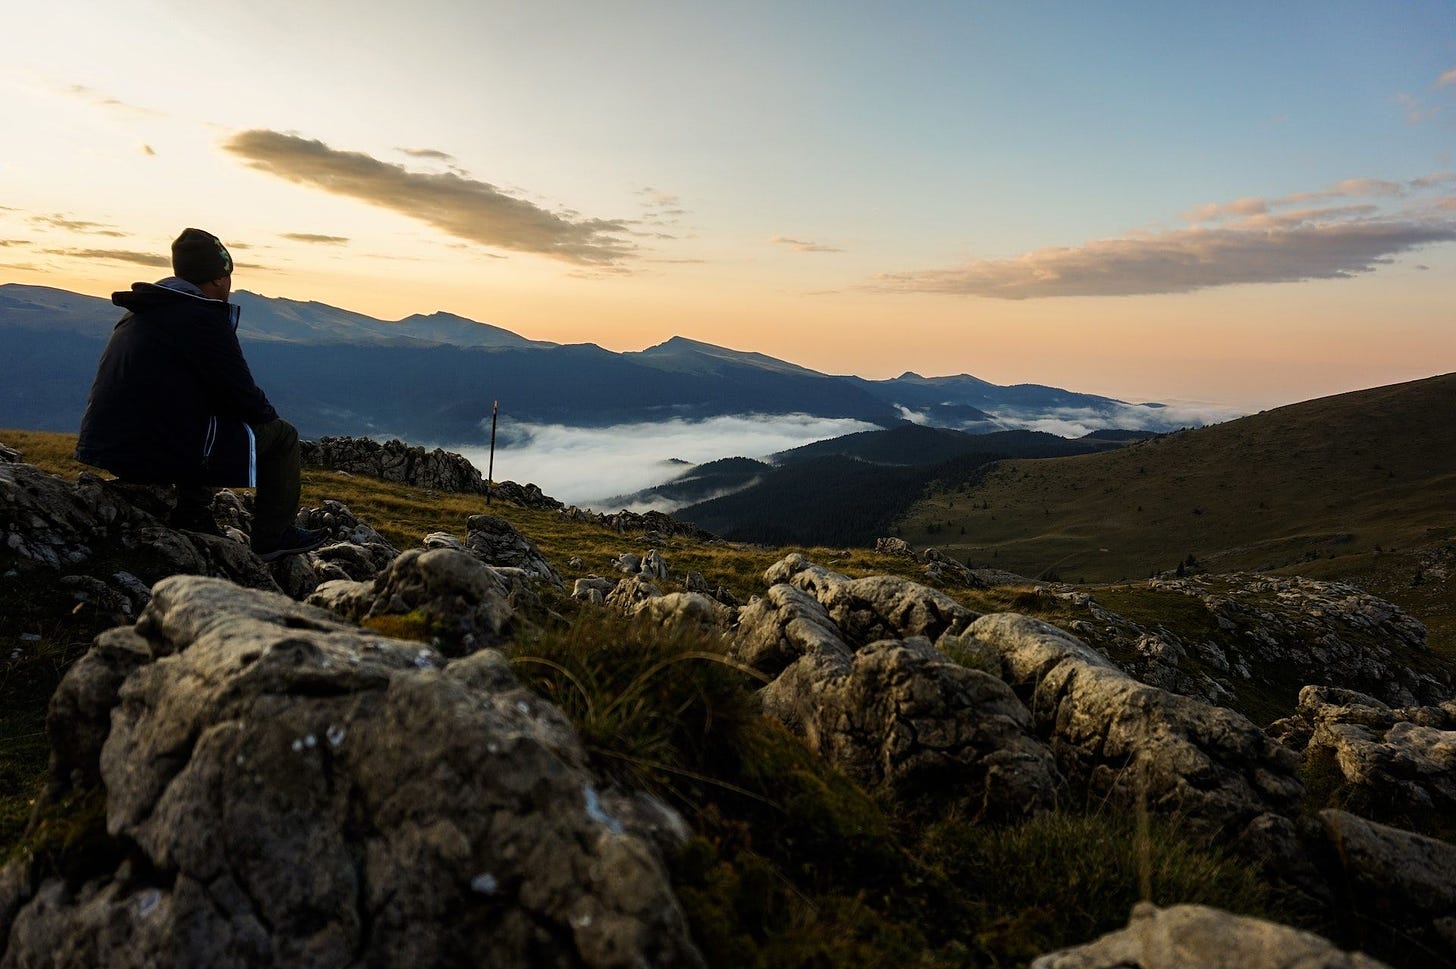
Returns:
<point x="1396" y="882"/>
<point x="463" y="604"/>
<point x="783" y="625"/>
<point x="1394" y="764"/>
<point x="1129" y="743"/>
<point x="75" y="533"/>
<point x="896" y="714"/>
<point x="874" y="607"/>
<point x="1198" y="937"/>
<point x="496" y="541"/>
<point x="903" y="717"/>
<point x="285" y="789"/>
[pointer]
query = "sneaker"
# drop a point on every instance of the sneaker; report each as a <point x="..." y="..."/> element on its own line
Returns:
<point x="293" y="541"/>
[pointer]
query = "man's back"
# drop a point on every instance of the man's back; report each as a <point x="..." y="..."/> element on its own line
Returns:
<point x="172" y="365"/>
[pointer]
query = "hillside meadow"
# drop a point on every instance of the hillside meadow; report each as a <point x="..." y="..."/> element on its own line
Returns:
<point x="1355" y="488"/>
<point x="789" y="863"/>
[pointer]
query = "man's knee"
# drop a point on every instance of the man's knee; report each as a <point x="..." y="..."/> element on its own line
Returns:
<point x="276" y="435"/>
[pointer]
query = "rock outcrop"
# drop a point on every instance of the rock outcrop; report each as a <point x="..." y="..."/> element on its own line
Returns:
<point x="1267" y="630"/>
<point x="655" y="527"/>
<point x="436" y="470"/>
<point x="874" y="607"/>
<point x="1396" y="764"/>
<point x="1392" y="878"/>
<point x="496" y="542"/>
<point x="394" y="460"/>
<point x="1126" y="742"/>
<point x="108" y="540"/>
<point x="463" y="604"/>
<point x="285" y="789"/>
<point x="1198" y="937"/>
<point x="857" y="679"/>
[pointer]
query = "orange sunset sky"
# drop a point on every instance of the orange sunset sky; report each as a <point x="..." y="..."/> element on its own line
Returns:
<point x="1247" y="205"/>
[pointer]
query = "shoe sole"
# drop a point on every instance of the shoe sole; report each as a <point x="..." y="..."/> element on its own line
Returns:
<point x="279" y="553"/>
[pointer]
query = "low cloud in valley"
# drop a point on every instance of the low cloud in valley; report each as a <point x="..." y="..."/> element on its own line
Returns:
<point x="579" y="465"/>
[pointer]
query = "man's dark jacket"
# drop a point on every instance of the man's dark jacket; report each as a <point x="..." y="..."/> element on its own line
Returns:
<point x="172" y="389"/>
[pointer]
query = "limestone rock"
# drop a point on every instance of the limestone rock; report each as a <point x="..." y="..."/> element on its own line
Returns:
<point x="495" y="541"/>
<point x="904" y="717"/>
<point x="653" y="566"/>
<point x="525" y="495"/>
<point x="464" y="601"/>
<point x="1398" y="764"/>
<point x="443" y="540"/>
<point x="654" y="526"/>
<point x="629" y="593"/>
<point x="1121" y="740"/>
<point x="874" y="607"/>
<point x="946" y="570"/>
<point x="894" y="546"/>
<point x="1199" y="937"/>
<point x="78" y="718"/>
<point x="690" y="608"/>
<point x="1322" y="633"/>
<point x="1395" y="878"/>
<point x="592" y="588"/>
<point x="72" y="528"/>
<point x="785" y="624"/>
<point x="296" y="791"/>
<point x="395" y="461"/>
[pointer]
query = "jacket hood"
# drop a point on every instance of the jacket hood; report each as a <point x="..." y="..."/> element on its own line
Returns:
<point x="170" y="292"/>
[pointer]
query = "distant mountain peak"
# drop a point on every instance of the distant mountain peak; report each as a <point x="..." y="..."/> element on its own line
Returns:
<point x="677" y="351"/>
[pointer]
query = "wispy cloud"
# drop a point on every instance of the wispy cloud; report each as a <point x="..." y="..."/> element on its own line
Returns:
<point x="14" y="242"/>
<point x="1418" y="111"/>
<point x="105" y="101"/>
<point x="433" y="154"/>
<point x="313" y="237"/>
<point x="116" y="255"/>
<point x="799" y="245"/>
<point x="1250" y="240"/>
<point x="65" y="223"/>
<point x="660" y="210"/>
<point x="463" y="207"/>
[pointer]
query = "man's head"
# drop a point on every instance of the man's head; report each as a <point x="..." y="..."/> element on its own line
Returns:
<point x="200" y="258"/>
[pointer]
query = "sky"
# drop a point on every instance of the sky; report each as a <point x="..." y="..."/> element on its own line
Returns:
<point x="1246" y="204"/>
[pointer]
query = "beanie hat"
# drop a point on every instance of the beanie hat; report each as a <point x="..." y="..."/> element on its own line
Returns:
<point x="199" y="257"/>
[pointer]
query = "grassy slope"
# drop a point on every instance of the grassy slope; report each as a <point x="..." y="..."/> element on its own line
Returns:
<point x="1352" y="488"/>
<point x="790" y="864"/>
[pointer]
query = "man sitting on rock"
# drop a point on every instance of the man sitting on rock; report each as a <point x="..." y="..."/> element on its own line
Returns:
<point x="175" y="403"/>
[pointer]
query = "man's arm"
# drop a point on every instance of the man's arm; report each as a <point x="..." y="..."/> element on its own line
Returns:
<point x="231" y="388"/>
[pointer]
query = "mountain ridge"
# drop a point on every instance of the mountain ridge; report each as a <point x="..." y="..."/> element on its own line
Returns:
<point x="442" y="391"/>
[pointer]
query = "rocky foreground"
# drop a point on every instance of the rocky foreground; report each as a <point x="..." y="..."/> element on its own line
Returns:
<point x="283" y="786"/>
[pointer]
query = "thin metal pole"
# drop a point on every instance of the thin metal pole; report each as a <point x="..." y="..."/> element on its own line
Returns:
<point x="490" y="472"/>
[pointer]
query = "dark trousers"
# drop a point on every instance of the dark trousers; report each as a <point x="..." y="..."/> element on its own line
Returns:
<point x="276" y="503"/>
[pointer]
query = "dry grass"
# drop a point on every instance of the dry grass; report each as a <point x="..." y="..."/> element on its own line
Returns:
<point x="1351" y="488"/>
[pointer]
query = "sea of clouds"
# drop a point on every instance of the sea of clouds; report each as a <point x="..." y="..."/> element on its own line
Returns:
<point x="585" y="465"/>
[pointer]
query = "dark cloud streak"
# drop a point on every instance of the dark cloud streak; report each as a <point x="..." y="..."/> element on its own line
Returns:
<point x="463" y="207"/>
